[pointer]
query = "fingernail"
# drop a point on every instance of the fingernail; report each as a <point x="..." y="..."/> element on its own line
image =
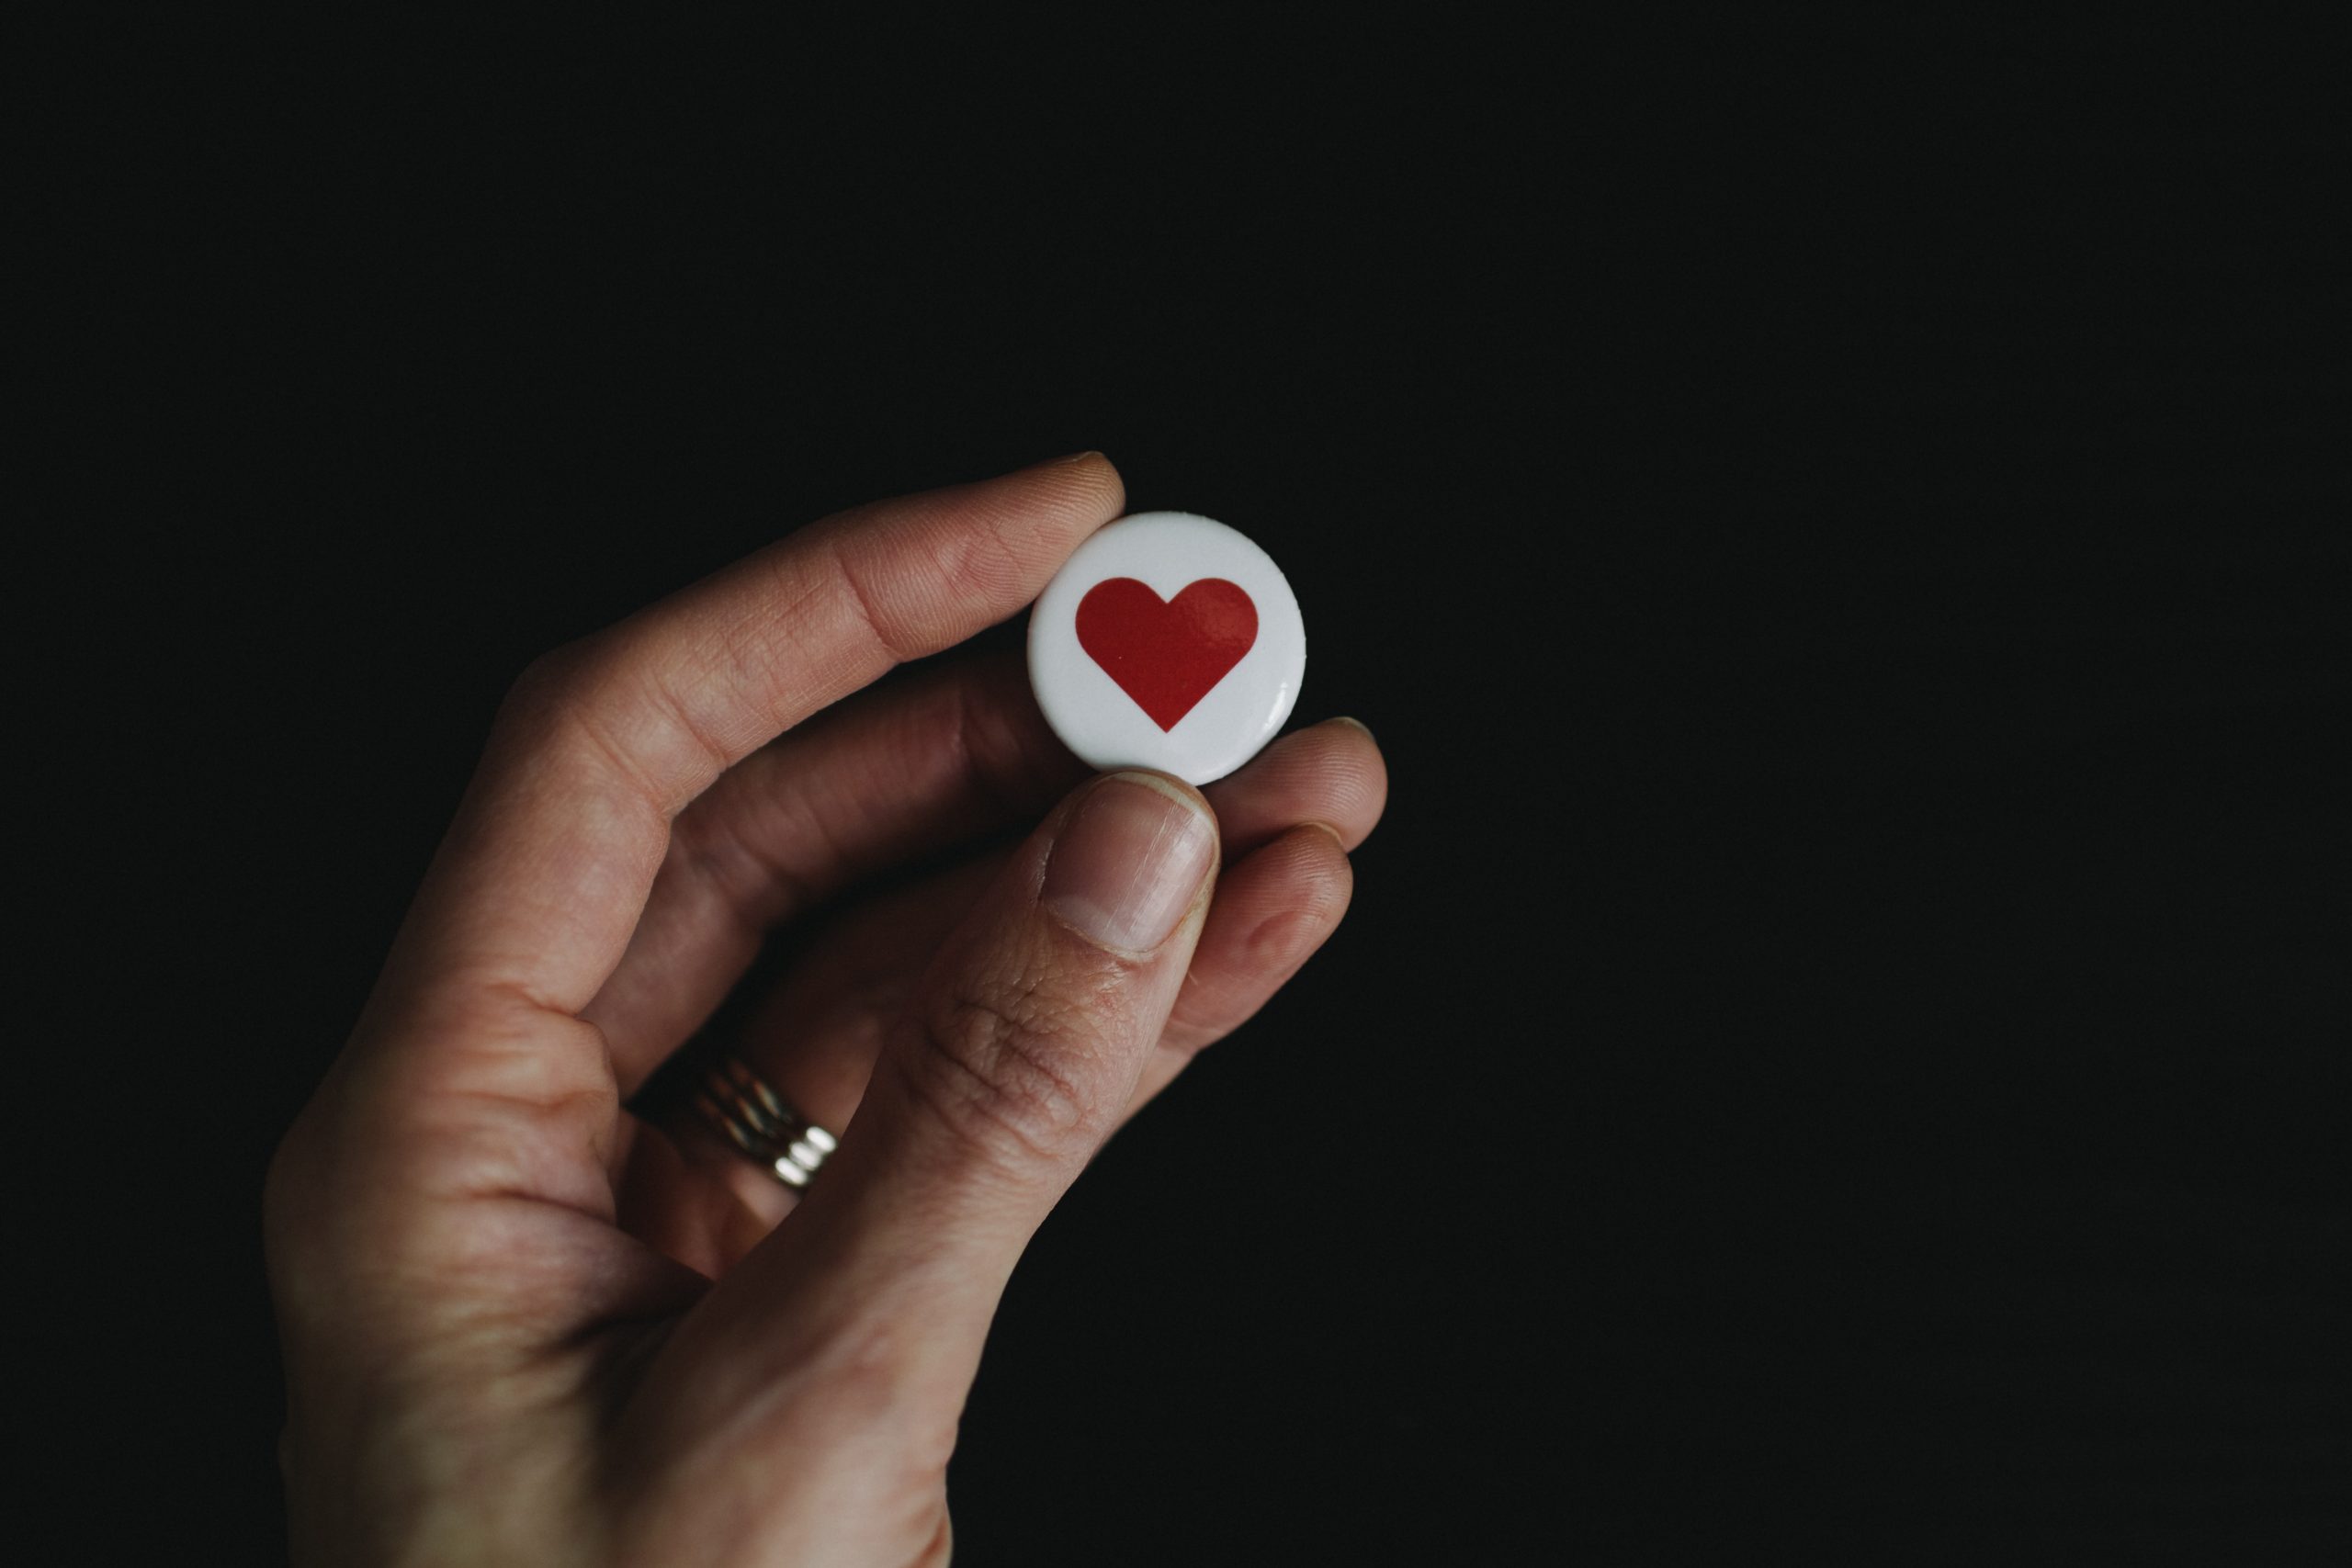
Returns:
<point x="1126" y="866"/>
<point x="1360" y="724"/>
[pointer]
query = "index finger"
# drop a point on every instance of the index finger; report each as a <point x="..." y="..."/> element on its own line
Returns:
<point x="553" y="851"/>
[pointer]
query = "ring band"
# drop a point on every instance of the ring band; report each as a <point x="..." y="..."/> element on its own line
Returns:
<point x="762" y="1123"/>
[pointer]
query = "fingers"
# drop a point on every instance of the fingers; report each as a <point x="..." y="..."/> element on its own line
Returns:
<point x="1297" y="809"/>
<point x="888" y="776"/>
<point x="543" y="875"/>
<point x="815" y="1035"/>
<point x="1018" y="1054"/>
<point x="1331" y="773"/>
<point x="1272" y="911"/>
<point x="815" y="1038"/>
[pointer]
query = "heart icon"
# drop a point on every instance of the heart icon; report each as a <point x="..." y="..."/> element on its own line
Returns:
<point x="1166" y="653"/>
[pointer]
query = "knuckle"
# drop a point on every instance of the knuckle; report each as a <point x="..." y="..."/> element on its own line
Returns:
<point x="548" y="687"/>
<point x="613" y="697"/>
<point x="553" y="673"/>
<point x="1020" y="1075"/>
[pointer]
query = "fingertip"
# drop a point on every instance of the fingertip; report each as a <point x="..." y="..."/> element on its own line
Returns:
<point x="995" y="541"/>
<point x="1360" y="770"/>
<point x="1087" y="483"/>
<point x="1099" y="467"/>
<point x="1330" y="772"/>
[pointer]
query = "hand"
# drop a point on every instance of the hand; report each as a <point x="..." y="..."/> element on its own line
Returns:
<point x="523" y="1326"/>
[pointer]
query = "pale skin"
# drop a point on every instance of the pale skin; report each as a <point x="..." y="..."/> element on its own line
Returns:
<point x="522" y="1325"/>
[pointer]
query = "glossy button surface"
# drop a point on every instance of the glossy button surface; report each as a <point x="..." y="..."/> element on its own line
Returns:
<point x="1166" y="641"/>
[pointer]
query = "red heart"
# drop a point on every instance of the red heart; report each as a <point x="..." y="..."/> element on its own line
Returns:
<point x="1166" y="653"/>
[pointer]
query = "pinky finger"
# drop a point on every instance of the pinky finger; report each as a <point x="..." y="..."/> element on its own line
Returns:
<point x="1272" y="910"/>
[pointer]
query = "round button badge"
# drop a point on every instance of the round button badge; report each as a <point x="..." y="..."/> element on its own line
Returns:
<point x="1166" y="641"/>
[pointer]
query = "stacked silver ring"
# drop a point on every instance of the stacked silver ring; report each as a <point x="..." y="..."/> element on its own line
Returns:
<point x="762" y="1123"/>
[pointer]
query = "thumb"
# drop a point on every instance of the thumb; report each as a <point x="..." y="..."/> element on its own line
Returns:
<point x="1013" y="1064"/>
<point x="1031" y="1028"/>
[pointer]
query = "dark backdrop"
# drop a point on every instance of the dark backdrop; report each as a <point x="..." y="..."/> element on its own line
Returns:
<point x="1837" y="522"/>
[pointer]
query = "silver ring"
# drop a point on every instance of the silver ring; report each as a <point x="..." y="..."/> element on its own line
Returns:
<point x="762" y="1123"/>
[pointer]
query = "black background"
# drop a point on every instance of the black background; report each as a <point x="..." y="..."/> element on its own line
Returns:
<point x="1837" y="520"/>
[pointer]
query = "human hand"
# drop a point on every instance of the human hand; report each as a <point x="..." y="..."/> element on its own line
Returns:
<point x="523" y="1326"/>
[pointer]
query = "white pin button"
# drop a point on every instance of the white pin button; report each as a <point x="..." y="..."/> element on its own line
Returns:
<point x="1166" y="641"/>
